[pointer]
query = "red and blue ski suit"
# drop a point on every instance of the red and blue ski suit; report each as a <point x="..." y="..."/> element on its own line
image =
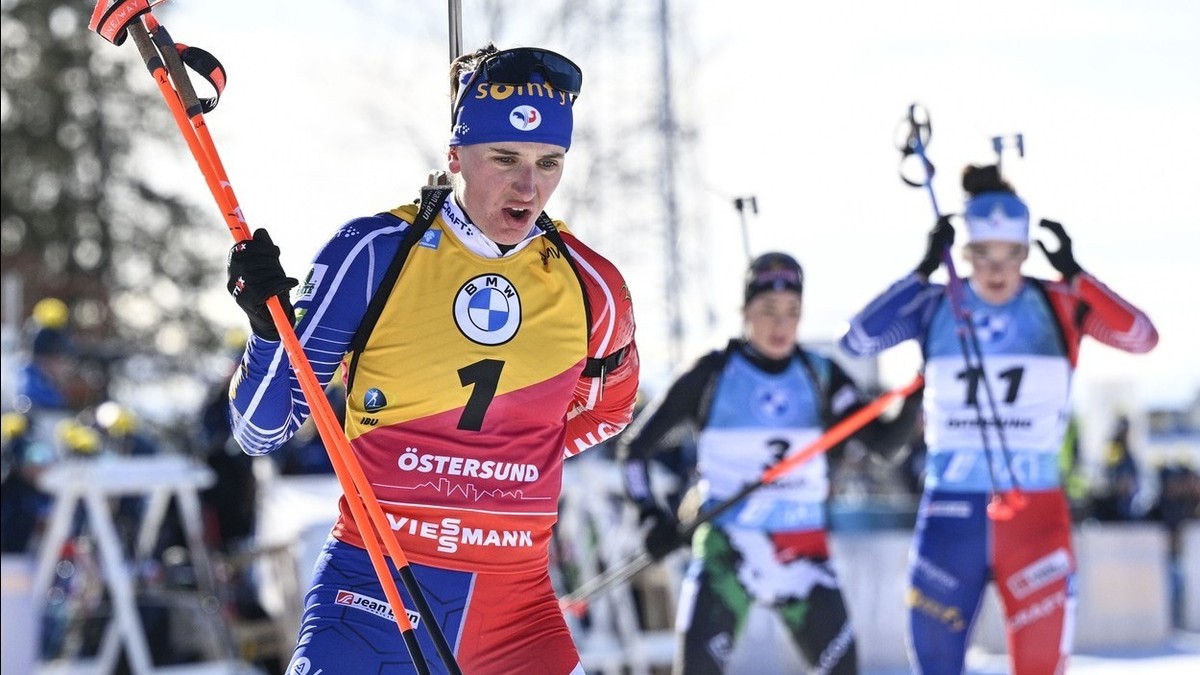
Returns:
<point x="1029" y="347"/>
<point x="477" y="377"/>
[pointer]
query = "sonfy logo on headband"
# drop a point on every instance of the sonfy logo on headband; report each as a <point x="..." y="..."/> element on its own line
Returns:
<point x="501" y="92"/>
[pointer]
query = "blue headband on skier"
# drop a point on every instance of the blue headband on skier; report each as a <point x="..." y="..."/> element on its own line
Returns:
<point x="773" y="271"/>
<point x="997" y="216"/>
<point x="534" y="112"/>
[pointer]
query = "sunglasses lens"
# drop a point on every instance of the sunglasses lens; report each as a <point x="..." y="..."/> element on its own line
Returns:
<point x="515" y="66"/>
<point x="996" y="256"/>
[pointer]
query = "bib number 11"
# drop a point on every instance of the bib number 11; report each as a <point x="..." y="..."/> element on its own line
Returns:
<point x="1011" y="376"/>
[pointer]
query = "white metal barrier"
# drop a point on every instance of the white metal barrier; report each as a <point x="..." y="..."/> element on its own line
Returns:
<point x="90" y="484"/>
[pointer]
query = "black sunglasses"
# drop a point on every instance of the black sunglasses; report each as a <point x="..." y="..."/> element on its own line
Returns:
<point x="516" y="66"/>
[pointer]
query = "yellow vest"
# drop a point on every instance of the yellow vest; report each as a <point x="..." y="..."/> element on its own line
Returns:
<point x="458" y="401"/>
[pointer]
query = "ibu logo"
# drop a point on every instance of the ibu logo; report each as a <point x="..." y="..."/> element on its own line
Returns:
<point x="374" y="400"/>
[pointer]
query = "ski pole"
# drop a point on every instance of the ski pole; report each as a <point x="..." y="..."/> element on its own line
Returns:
<point x="333" y="435"/>
<point x="740" y="203"/>
<point x="183" y="102"/>
<point x="345" y="465"/>
<point x="1002" y="505"/>
<point x="999" y="143"/>
<point x="454" y="40"/>
<point x="162" y="58"/>
<point x="454" y="14"/>
<point x="576" y="601"/>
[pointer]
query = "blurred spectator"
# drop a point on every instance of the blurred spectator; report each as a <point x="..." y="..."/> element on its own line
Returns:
<point x="42" y="381"/>
<point x="77" y="440"/>
<point x="912" y="463"/>
<point x="1119" y="497"/>
<point x="1075" y="482"/>
<point x="23" y="506"/>
<point x="304" y="454"/>
<point x="231" y="504"/>
<point x="120" y="431"/>
<point x="120" y="436"/>
<point x="31" y="430"/>
<point x="1178" y="501"/>
<point x="43" y="377"/>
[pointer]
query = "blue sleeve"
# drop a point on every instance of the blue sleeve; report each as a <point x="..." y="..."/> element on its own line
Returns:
<point x="41" y="391"/>
<point x="900" y="313"/>
<point x="267" y="405"/>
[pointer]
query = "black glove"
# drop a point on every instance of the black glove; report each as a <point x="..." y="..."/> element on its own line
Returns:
<point x="663" y="535"/>
<point x="254" y="276"/>
<point x="1062" y="259"/>
<point x="940" y="238"/>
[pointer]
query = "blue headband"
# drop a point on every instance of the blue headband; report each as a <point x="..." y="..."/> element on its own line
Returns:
<point x="496" y="113"/>
<point x="997" y="216"/>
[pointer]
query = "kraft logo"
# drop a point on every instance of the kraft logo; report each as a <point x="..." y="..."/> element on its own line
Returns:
<point x="525" y="118"/>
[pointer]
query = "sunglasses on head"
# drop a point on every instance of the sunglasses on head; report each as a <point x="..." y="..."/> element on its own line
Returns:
<point x="516" y="66"/>
<point x="996" y="255"/>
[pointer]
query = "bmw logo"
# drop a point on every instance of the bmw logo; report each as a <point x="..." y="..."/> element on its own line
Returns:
<point x="991" y="327"/>
<point x="487" y="310"/>
<point x="772" y="403"/>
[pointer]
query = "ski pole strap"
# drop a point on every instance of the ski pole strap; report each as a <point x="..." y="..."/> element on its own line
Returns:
<point x="593" y="367"/>
<point x="111" y="18"/>
<point x="208" y="67"/>
<point x="178" y="57"/>
<point x="432" y="198"/>
<point x="919" y="131"/>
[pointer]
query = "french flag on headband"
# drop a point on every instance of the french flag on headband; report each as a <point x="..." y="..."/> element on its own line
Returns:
<point x="997" y="216"/>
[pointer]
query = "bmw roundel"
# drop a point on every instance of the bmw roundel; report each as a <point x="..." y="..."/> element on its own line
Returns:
<point x="992" y="327"/>
<point x="772" y="403"/>
<point x="487" y="310"/>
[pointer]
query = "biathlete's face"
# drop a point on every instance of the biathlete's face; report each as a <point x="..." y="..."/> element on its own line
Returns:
<point x="772" y="319"/>
<point x="996" y="269"/>
<point x="505" y="186"/>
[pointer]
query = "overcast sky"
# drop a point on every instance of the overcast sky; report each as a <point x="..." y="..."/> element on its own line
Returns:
<point x="795" y="104"/>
